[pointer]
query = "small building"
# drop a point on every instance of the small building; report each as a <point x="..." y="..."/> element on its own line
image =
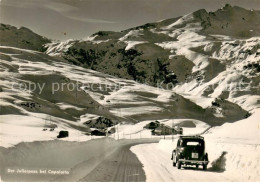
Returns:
<point x="179" y="131"/>
<point x="163" y="130"/>
<point x="98" y="133"/>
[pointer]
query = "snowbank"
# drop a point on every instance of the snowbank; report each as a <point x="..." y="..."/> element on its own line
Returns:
<point x="20" y="128"/>
<point x="246" y="131"/>
<point x="77" y="158"/>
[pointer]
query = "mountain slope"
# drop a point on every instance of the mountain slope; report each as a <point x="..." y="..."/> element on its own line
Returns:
<point x="202" y="54"/>
<point x="34" y="82"/>
<point x="22" y="38"/>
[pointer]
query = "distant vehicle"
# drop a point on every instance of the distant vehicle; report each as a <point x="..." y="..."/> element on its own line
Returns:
<point x="190" y="150"/>
<point x="63" y="134"/>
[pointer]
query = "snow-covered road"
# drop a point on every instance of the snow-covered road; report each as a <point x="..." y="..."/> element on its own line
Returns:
<point x="158" y="167"/>
<point x="236" y="162"/>
<point x="233" y="149"/>
<point x="103" y="159"/>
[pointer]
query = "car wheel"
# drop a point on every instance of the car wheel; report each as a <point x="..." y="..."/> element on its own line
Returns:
<point x="179" y="165"/>
<point x="206" y="157"/>
<point x="174" y="164"/>
<point x="204" y="167"/>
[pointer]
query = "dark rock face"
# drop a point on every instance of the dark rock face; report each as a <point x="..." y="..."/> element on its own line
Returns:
<point x="152" y="125"/>
<point x="255" y="67"/>
<point x="132" y="64"/>
<point x="99" y="123"/>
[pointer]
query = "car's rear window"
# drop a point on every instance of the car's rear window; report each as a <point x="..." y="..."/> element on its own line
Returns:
<point x="192" y="143"/>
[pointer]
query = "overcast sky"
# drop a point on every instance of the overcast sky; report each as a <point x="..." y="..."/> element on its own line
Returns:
<point x="65" y="19"/>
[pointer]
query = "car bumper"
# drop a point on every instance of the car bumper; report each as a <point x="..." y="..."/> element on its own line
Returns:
<point x="193" y="161"/>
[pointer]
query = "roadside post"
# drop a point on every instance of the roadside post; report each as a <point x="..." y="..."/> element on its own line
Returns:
<point x="164" y="131"/>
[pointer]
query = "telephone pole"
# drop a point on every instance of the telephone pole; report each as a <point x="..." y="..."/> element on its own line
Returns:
<point x="172" y="130"/>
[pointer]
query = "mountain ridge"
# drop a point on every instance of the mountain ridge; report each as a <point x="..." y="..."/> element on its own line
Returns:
<point x="22" y="38"/>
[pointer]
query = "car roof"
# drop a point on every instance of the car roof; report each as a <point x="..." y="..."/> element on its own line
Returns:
<point x="192" y="137"/>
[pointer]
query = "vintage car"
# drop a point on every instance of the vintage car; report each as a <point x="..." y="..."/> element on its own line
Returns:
<point x="190" y="150"/>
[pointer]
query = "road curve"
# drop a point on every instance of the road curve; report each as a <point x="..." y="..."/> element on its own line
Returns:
<point x="122" y="165"/>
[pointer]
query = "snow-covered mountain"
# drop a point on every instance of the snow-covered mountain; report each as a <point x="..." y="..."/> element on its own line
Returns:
<point x="200" y="66"/>
<point x="208" y="57"/>
<point x="213" y="55"/>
